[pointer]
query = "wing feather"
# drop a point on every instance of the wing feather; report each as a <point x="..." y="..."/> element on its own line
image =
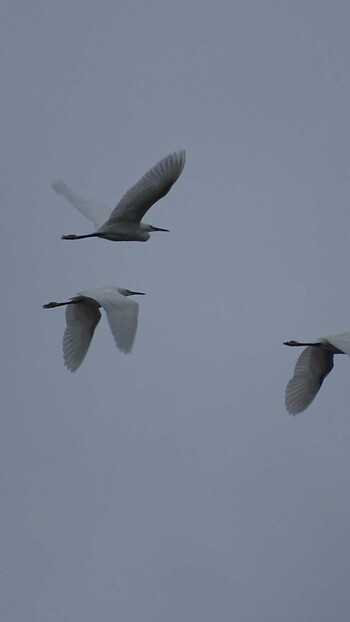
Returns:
<point x="122" y="316"/>
<point x="96" y="212"/>
<point x="311" y="368"/>
<point x="154" y="185"/>
<point x="341" y="342"/>
<point x="82" y="319"/>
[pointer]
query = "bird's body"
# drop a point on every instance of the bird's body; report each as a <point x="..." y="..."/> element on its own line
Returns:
<point x="312" y="367"/>
<point x="125" y="232"/>
<point x="124" y="223"/>
<point x="83" y="314"/>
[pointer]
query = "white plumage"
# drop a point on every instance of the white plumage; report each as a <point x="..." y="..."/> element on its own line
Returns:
<point x="95" y="212"/>
<point x="124" y="223"/>
<point x="83" y="314"/>
<point x="312" y="366"/>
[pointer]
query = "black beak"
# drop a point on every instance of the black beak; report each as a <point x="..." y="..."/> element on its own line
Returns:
<point x="158" y="229"/>
<point x="131" y="293"/>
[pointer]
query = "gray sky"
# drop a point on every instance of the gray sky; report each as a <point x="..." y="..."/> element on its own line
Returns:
<point x="171" y="484"/>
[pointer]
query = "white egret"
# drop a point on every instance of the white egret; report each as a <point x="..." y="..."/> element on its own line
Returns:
<point x="124" y="223"/>
<point x="312" y="366"/>
<point x="83" y="314"/>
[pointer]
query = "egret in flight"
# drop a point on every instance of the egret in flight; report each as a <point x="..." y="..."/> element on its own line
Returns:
<point x="83" y="314"/>
<point x="312" y="366"/>
<point x="124" y="223"/>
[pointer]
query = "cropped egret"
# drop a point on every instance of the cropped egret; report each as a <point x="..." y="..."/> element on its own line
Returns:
<point x="124" y="223"/>
<point x="83" y="314"/>
<point x="312" y="366"/>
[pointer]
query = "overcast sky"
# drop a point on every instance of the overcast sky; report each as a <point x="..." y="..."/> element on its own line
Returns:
<point x="171" y="485"/>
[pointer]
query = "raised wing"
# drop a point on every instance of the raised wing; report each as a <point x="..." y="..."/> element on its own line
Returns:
<point x="149" y="189"/>
<point x="97" y="213"/>
<point x="82" y="319"/>
<point x="311" y="368"/>
<point x="341" y="341"/>
<point x="122" y="317"/>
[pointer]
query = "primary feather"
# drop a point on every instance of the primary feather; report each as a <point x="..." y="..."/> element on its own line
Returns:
<point x="95" y="212"/>
<point x="154" y="185"/>
<point x="313" y="365"/>
<point x="81" y="319"/>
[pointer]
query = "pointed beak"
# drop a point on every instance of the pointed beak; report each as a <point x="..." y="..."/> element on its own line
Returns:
<point x="158" y="229"/>
<point x="50" y="305"/>
<point x="131" y="293"/>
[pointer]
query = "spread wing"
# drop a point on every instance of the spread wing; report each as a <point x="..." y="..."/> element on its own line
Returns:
<point x="82" y="319"/>
<point x="149" y="189"/>
<point x="97" y="213"/>
<point x="311" y="368"/>
<point x="122" y="316"/>
<point x="341" y="341"/>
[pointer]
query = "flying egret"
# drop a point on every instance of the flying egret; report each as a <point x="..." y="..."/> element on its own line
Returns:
<point x="124" y="223"/>
<point x="312" y="366"/>
<point x="83" y="314"/>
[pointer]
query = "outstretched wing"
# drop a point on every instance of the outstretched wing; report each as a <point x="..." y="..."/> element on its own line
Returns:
<point x="149" y="189"/>
<point x="122" y="317"/>
<point x="311" y="368"/>
<point x="341" y="341"/>
<point x="82" y="319"/>
<point x="97" y="213"/>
